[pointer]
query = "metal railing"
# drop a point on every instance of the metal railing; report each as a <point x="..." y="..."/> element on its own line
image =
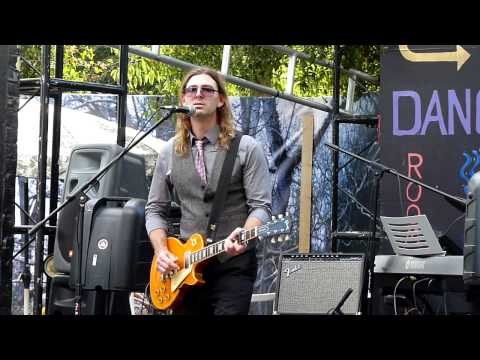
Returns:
<point x="293" y="55"/>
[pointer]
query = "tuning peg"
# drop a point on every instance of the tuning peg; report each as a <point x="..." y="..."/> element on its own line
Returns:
<point x="286" y="214"/>
<point x="273" y="217"/>
<point x="272" y="240"/>
<point x="280" y="216"/>
<point x="280" y="238"/>
<point x="287" y="237"/>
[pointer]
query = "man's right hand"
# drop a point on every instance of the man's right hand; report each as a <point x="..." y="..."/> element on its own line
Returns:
<point x="166" y="262"/>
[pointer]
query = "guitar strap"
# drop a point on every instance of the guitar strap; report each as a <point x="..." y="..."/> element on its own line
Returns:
<point x="222" y="187"/>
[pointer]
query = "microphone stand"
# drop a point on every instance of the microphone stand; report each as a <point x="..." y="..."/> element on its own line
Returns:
<point x="83" y="200"/>
<point x="337" y="310"/>
<point x="379" y="171"/>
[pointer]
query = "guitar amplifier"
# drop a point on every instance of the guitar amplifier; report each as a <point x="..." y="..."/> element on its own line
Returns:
<point x="316" y="283"/>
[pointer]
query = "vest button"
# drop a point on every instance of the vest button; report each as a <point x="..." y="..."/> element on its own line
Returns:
<point x="202" y="186"/>
<point x="207" y="214"/>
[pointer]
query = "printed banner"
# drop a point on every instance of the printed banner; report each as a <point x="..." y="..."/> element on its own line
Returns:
<point x="430" y="131"/>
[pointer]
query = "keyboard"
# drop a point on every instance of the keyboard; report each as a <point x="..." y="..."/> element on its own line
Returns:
<point x="432" y="265"/>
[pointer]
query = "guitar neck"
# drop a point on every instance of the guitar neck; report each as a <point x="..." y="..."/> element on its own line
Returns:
<point x="219" y="247"/>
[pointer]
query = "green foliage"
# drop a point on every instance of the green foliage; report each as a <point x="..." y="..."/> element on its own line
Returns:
<point x="32" y="54"/>
<point x="365" y="58"/>
<point x="250" y="62"/>
<point x="253" y="63"/>
<point x="204" y="55"/>
<point x="313" y="80"/>
<point x="87" y="63"/>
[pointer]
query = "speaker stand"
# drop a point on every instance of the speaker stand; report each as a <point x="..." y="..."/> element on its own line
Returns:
<point x="78" y="284"/>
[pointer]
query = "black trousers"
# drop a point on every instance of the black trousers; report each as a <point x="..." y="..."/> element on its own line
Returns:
<point x="227" y="290"/>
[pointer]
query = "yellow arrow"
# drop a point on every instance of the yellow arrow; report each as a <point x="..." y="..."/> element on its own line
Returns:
<point x="460" y="56"/>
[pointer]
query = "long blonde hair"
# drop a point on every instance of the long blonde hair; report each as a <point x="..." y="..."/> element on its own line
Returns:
<point x="224" y="114"/>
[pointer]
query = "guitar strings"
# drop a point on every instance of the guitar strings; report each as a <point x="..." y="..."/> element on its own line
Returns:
<point x="206" y="248"/>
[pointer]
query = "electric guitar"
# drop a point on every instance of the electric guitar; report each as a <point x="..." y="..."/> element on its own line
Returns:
<point x="166" y="291"/>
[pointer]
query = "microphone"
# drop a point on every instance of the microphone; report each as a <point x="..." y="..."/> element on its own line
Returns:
<point x="186" y="109"/>
<point x="337" y="310"/>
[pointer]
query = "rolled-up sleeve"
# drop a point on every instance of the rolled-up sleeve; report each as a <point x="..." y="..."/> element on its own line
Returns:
<point x="159" y="198"/>
<point x="257" y="181"/>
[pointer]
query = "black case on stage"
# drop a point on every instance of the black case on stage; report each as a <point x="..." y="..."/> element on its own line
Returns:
<point x="116" y="250"/>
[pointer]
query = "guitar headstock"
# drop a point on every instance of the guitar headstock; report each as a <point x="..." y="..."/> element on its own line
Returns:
<point x="278" y="229"/>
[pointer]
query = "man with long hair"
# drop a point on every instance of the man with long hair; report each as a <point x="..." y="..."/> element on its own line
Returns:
<point x="187" y="169"/>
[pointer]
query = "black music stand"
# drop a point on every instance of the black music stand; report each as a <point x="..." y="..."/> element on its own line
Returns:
<point x="412" y="236"/>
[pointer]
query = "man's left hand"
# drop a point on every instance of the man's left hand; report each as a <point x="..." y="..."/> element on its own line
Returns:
<point x="232" y="246"/>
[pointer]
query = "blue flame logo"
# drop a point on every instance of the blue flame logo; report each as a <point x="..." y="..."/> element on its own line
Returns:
<point x="469" y="168"/>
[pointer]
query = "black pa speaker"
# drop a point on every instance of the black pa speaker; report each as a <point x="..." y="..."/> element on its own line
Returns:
<point x="116" y="251"/>
<point x="316" y="283"/>
<point x="126" y="178"/>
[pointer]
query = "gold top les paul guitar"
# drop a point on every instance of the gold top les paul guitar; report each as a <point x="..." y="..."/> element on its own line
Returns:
<point x="166" y="291"/>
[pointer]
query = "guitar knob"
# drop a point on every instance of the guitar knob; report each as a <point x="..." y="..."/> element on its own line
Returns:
<point x="273" y="217"/>
<point x="280" y="238"/>
<point x="280" y="216"/>
<point x="287" y="237"/>
<point x="272" y="240"/>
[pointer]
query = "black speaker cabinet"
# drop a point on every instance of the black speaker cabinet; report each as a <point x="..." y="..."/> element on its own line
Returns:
<point x="62" y="300"/>
<point x="126" y="179"/>
<point x="116" y="250"/>
<point x="315" y="283"/>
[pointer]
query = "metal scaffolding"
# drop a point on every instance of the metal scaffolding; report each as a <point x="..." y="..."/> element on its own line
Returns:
<point x="53" y="88"/>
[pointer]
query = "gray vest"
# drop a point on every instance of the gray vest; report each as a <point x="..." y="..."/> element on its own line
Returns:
<point x="196" y="201"/>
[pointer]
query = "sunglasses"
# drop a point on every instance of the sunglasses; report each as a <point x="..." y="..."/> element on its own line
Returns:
<point x="205" y="91"/>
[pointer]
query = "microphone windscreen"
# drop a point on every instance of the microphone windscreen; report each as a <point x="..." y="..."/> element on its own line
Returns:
<point x="191" y="110"/>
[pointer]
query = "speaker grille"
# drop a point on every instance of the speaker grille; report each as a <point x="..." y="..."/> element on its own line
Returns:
<point x="314" y="283"/>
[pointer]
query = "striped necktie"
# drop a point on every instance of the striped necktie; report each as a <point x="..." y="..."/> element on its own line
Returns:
<point x="199" y="162"/>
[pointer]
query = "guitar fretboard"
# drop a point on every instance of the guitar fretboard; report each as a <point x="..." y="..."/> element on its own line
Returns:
<point x="219" y="247"/>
